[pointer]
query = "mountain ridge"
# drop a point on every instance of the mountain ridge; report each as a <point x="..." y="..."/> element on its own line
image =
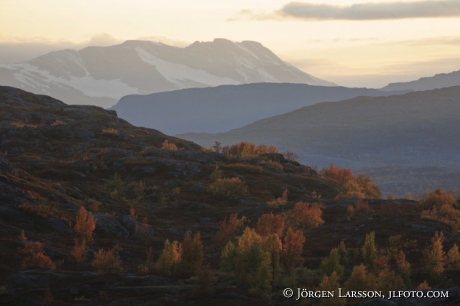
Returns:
<point x="227" y="107"/>
<point x="417" y="129"/>
<point x="102" y="75"/>
<point x="440" y="80"/>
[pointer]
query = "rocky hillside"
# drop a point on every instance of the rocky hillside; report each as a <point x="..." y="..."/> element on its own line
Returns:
<point x="407" y="142"/>
<point x="102" y="75"/>
<point x="87" y="202"/>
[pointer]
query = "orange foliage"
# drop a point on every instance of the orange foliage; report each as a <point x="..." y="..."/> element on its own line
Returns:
<point x="292" y="249"/>
<point x="229" y="188"/>
<point x="271" y="224"/>
<point x="279" y="202"/>
<point x="305" y="216"/>
<point x="107" y="262"/>
<point x="79" y="250"/>
<point x="85" y="223"/>
<point x="191" y="255"/>
<point x="438" y="198"/>
<point x="248" y="149"/>
<point x="360" y="209"/>
<point x="361" y="186"/>
<point x="168" y="146"/>
<point x="229" y="228"/>
<point x="109" y="131"/>
<point x="34" y="256"/>
<point x="445" y="214"/>
<point x="339" y="175"/>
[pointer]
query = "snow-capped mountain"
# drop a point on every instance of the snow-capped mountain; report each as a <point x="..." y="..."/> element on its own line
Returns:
<point x="102" y="75"/>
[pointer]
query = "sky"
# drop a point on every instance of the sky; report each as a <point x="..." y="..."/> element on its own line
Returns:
<point x="354" y="43"/>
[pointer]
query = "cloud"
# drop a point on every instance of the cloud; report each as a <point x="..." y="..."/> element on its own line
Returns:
<point x="372" y="10"/>
<point x="102" y="40"/>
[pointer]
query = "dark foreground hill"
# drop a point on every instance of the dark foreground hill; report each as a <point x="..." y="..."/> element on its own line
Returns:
<point x="409" y="143"/>
<point x="222" y="108"/>
<point x="143" y="187"/>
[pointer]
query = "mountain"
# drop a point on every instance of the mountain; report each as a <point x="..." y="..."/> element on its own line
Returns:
<point x="407" y="142"/>
<point x="226" y="107"/>
<point x="102" y="75"/>
<point x="428" y="83"/>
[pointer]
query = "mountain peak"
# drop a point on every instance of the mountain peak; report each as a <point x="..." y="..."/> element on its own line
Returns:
<point x="103" y="75"/>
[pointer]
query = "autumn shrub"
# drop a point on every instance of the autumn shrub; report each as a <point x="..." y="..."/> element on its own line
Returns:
<point x="441" y="206"/>
<point x="271" y="224"/>
<point x="248" y="149"/>
<point x="253" y="264"/>
<point x="168" y="146"/>
<point x="360" y="186"/>
<point x="360" y="279"/>
<point x="331" y="283"/>
<point x="305" y="216"/>
<point x="229" y="188"/>
<point x="423" y="286"/>
<point x="170" y="258"/>
<point x="85" y="223"/>
<point x="274" y="246"/>
<point x="229" y="228"/>
<point x="446" y="214"/>
<point x="109" y="131"/>
<point x="279" y="202"/>
<point x="369" y="249"/>
<point x="108" y="261"/>
<point x="79" y="250"/>
<point x="434" y="257"/>
<point x="331" y="264"/>
<point x="34" y="255"/>
<point x="340" y="175"/>
<point x="292" y="249"/>
<point x="437" y="199"/>
<point x="388" y="280"/>
<point x="360" y="209"/>
<point x="453" y="258"/>
<point x="191" y="254"/>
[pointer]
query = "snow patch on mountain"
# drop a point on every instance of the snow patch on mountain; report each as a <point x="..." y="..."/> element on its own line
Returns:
<point x="36" y="78"/>
<point x="177" y="72"/>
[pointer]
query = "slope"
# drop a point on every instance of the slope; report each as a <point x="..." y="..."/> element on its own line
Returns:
<point x="227" y="107"/>
<point x="441" y="80"/>
<point x="419" y="129"/>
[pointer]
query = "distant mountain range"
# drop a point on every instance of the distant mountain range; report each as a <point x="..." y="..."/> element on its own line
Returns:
<point x="227" y="107"/>
<point x="441" y="80"/>
<point x="102" y="75"/>
<point x="416" y="135"/>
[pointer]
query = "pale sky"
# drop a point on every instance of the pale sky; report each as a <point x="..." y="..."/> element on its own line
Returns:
<point x="350" y="42"/>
